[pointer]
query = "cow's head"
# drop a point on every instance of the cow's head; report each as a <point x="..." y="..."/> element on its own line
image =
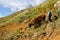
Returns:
<point x="31" y="24"/>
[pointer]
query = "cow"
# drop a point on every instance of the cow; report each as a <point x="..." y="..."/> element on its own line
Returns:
<point x="37" y="21"/>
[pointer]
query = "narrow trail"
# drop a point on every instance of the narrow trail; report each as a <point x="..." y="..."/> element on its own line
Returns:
<point x="56" y="38"/>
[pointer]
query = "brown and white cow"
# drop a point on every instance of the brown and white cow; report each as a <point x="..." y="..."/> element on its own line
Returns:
<point x="37" y="20"/>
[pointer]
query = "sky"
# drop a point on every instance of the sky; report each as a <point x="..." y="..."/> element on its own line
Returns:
<point x="8" y="7"/>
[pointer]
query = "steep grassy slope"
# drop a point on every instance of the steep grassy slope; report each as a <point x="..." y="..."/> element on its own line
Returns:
<point x="30" y="12"/>
<point x="10" y="16"/>
<point x="11" y="26"/>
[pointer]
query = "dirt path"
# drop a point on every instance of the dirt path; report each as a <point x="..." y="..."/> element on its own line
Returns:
<point x="56" y="38"/>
